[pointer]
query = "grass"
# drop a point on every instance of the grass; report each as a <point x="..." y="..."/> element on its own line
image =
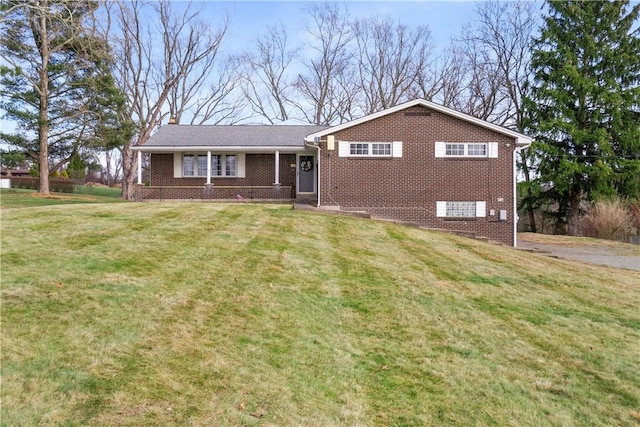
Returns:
<point x="236" y="314"/>
<point x="21" y="198"/>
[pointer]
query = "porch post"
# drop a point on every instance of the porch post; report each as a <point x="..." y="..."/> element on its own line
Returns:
<point x="277" y="172"/>
<point x="208" y="167"/>
<point x="139" y="167"/>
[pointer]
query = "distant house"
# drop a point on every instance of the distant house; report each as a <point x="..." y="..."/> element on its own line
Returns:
<point x="16" y="173"/>
<point x="417" y="162"/>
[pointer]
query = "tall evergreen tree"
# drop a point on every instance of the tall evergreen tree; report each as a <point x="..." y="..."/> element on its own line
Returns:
<point x="585" y="104"/>
<point x="57" y="79"/>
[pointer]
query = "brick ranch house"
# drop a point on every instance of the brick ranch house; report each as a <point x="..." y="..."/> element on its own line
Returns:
<point x="417" y="162"/>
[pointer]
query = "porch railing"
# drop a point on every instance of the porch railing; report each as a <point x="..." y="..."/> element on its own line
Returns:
<point x="215" y="192"/>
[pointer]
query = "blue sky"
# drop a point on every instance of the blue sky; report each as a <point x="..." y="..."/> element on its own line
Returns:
<point x="251" y="18"/>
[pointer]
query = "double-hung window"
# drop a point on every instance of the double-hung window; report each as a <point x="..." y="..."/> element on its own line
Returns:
<point x="216" y="165"/>
<point x="187" y="165"/>
<point x="230" y="165"/>
<point x="224" y="165"/>
<point x="477" y="150"/>
<point x="195" y="165"/>
<point x="454" y="149"/>
<point x="378" y="149"/>
<point x="466" y="149"/>
<point x="202" y="165"/>
<point x="370" y="149"/>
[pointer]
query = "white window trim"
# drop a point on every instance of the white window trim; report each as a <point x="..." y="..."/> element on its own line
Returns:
<point x="481" y="209"/>
<point x="491" y="150"/>
<point x="395" y="149"/>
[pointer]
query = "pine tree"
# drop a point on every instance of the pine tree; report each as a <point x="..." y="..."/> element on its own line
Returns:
<point x="585" y="104"/>
<point x="57" y="79"/>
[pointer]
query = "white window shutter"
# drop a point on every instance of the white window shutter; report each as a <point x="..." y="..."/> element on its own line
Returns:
<point x="343" y="148"/>
<point x="177" y="165"/>
<point x="396" y="149"/>
<point x="240" y="158"/>
<point x="493" y="150"/>
<point x="441" y="149"/>
<point x="441" y="209"/>
<point x="481" y="209"/>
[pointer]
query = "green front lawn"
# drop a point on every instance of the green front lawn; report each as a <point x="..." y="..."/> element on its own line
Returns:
<point x="11" y="198"/>
<point x="174" y="314"/>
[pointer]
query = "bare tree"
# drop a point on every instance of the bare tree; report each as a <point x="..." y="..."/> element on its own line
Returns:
<point x="266" y="83"/>
<point x="205" y="87"/>
<point x="221" y="102"/>
<point x="494" y="57"/>
<point x="391" y="60"/>
<point x="149" y="75"/>
<point x="327" y="87"/>
<point x="505" y="30"/>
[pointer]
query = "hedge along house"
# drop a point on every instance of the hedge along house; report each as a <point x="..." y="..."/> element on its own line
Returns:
<point x="417" y="162"/>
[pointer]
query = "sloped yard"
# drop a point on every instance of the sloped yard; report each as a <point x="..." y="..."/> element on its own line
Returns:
<point x="234" y="314"/>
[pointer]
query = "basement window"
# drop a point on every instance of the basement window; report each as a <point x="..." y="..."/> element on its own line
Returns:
<point x="461" y="209"/>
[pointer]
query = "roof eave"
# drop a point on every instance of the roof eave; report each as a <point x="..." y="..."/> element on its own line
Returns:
<point x="520" y="138"/>
<point x="228" y="148"/>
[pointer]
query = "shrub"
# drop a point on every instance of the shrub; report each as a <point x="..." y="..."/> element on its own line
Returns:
<point x="634" y="210"/>
<point x="608" y="219"/>
<point x="55" y="185"/>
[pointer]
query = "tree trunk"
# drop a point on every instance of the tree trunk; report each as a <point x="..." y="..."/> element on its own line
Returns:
<point x="530" y="211"/>
<point x="43" y="113"/>
<point x="574" y="215"/>
<point x="128" y="171"/>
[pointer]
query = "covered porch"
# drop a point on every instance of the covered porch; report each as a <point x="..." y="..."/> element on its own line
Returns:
<point x="228" y="162"/>
<point x="223" y="175"/>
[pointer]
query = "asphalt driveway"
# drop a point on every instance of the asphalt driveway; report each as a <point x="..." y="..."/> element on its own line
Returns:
<point x="616" y="255"/>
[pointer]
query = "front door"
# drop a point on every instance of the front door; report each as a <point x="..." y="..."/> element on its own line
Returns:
<point x="306" y="173"/>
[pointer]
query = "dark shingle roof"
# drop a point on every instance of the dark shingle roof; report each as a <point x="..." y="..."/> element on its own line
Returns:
<point x="231" y="135"/>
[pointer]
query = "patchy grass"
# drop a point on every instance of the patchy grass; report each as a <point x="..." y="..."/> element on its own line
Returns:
<point x="236" y="314"/>
<point x="20" y="198"/>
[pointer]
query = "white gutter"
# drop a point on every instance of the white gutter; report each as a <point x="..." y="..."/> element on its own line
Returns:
<point x="228" y="148"/>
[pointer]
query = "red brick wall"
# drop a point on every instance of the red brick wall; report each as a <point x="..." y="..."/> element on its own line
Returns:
<point x="408" y="188"/>
<point x="259" y="171"/>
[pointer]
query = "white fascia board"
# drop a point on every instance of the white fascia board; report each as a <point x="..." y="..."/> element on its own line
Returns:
<point x="521" y="140"/>
<point x="225" y="149"/>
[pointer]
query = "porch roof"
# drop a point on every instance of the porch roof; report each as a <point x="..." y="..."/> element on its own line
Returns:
<point x="251" y="137"/>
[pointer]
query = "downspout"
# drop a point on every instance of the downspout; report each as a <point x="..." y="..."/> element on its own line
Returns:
<point x="516" y="150"/>
<point x="515" y="200"/>
<point x="317" y="146"/>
